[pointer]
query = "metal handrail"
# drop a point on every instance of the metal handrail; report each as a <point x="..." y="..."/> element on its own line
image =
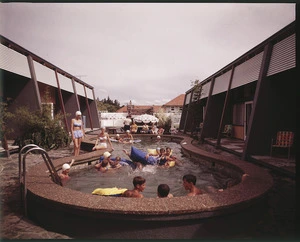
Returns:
<point x="50" y="166"/>
<point x="20" y="158"/>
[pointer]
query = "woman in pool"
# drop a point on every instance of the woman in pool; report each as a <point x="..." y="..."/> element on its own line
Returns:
<point x="77" y="132"/>
<point x="102" y="140"/>
<point x="104" y="165"/>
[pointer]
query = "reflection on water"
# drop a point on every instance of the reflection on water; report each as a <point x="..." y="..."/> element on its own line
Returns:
<point x="88" y="179"/>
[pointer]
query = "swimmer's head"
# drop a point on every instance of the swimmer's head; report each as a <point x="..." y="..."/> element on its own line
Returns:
<point x="66" y="167"/>
<point x="158" y="137"/>
<point x="127" y="131"/>
<point x="78" y="113"/>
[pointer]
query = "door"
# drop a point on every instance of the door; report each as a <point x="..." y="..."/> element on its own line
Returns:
<point x="247" y="113"/>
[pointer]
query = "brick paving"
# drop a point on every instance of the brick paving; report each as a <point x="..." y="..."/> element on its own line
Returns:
<point x="13" y="223"/>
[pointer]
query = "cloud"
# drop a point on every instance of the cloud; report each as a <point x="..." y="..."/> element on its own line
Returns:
<point x="147" y="53"/>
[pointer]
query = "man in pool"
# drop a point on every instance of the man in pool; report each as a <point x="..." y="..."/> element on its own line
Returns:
<point x="189" y="182"/>
<point x="139" y="184"/>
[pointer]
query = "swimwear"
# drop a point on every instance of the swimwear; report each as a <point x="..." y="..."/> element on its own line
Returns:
<point x="162" y="161"/>
<point x="78" y="134"/>
<point x="102" y="146"/>
<point x="102" y="143"/>
<point x="102" y="139"/>
<point x="77" y="124"/>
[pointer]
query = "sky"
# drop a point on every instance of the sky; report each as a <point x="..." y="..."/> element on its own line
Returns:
<point x="148" y="53"/>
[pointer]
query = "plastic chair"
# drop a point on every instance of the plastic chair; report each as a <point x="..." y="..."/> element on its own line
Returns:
<point x="284" y="139"/>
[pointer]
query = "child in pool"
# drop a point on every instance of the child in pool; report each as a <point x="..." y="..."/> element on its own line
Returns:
<point x="163" y="190"/>
<point x="64" y="175"/>
<point x="116" y="162"/>
<point x="139" y="184"/>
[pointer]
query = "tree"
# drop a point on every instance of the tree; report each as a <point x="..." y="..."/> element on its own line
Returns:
<point x="108" y="105"/>
<point x="4" y="130"/>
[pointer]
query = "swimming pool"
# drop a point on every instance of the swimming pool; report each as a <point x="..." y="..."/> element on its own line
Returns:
<point x="88" y="178"/>
<point x="80" y="214"/>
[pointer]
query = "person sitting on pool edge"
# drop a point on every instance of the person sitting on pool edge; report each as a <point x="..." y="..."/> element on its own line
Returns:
<point x="133" y="128"/>
<point x="102" y="140"/>
<point x="65" y="170"/>
<point x="189" y="182"/>
<point x="163" y="190"/>
<point x="139" y="184"/>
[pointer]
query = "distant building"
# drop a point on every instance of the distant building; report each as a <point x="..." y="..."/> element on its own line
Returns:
<point x="175" y="105"/>
<point x="172" y="108"/>
<point x="140" y="109"/>
<point x="26" y="80"/>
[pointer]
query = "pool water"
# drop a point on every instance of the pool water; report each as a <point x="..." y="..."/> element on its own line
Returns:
<point x="87" y="179"/>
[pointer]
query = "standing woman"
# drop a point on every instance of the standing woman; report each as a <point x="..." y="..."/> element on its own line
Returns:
<point x="77" y="132"/>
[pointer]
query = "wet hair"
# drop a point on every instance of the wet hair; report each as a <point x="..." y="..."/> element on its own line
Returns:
<point x="138" y="180"/>
<point x="161" y="150"/>
<point x="190" y="178"/>
<point x="163" y="190"/>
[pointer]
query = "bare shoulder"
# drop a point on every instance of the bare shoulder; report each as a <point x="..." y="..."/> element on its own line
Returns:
<point x="132" y="193"/>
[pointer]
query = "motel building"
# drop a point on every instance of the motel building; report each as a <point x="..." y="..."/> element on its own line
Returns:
<point x="26" y="79"/>
<point x="254" y="96"/>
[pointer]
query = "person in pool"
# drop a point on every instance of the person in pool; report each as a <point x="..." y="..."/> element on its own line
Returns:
<point x="139" y="184"/>
<point x="163" y="190"/>
<point x="171" y="157"/>
<point x="189" y="182"/>
<point x="127" y="138"/>
<point x="104" y="165"/>
<point x="64" y="175"/>
<point x="116" y="162"/>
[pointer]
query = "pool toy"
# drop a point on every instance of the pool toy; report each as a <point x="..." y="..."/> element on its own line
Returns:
<point x="113" y="191"/>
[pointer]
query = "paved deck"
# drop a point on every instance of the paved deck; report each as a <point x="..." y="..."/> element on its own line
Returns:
<point x="278" y="220"/>
<point x="277" y="163"/>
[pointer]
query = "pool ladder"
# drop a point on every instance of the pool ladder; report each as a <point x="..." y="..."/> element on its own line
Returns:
<point x="22" y="170"/>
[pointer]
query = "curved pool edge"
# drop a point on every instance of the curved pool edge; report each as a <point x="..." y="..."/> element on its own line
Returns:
<point x="46" y="195"/>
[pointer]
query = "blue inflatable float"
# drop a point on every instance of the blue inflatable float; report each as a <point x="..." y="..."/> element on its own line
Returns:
<point x="137" y="155"/>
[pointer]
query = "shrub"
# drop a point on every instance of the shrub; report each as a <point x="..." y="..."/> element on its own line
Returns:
<point x="39" y="128"/>
<point x="164" y="121"/>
